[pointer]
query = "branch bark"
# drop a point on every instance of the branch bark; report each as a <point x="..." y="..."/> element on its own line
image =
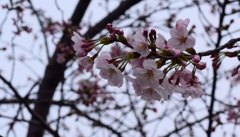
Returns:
<point x="215" y="72"/>
<point x="54" y="73"/>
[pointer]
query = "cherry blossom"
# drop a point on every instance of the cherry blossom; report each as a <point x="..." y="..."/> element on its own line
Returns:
<point x="186" y="84"/>
<point x="233" y="115"/>
<point x="180" y="39"/>
<point x="157" y="92"/>
<point x="161" y="42"/>
<point x="182" y="22"/>
<point x="149" y="73"/>
<point x="117" y="51"/>
<point x="78" y="42"/>
<point x="103" y="59"/>
<point x="189" y="91"/>
<point x="140" y="44"/>
<point x="109" y="71"/>
<point x="112" y="74"/>
<point x="167" y="86"/>
<point x="85" y="63"/>
<point x="153" y="57"/>
<point x="150" y="91"/>
<point x="136" y="85"/>
<point x="137" y="63"/>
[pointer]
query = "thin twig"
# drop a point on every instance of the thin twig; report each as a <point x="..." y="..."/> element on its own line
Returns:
<point x="24" y="101"/>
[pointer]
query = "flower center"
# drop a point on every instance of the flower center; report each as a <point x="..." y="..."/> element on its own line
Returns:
<point x="111" y="71"/>
<point x="143" y="45"/>
<point x="182" y="39"/>
<point x="150" y="91"/>
<point x="149" y="74"/>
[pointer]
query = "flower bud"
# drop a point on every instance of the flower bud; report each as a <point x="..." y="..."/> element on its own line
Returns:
<point x="201" y="65"/>
<point x="109" y="27"/>
<point x="145" y="33"/>
<point x="196" y="58"/>
<point x="176" y="52"/>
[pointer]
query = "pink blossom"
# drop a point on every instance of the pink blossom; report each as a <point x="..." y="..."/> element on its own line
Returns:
<point x="154" y="91"/>
<point x="232" y="115"/>
<point x="82" y="46"/>
<point x="85" y="63"/>
<point x="89" y="91"/>
<point x="116" y="51"/>
<point x="140" y="44"/>
<point x="150" y="94"/>
<point x="161" y="42"/>
<point x="87" y="85"/>
<point x="186" y="84"/>
<point x="103" y="59"/>
<point x="192" y="91"/>
<point x="147" y="82"/>
<point x="186" y="77"/>
<point x="180" y="39"/>
<point x="182" y="22"/>
<point x="149" y="73"/>
<point x="137" y="62"/>
<point x="136" y="85"/>
<point x="130" y="38"/>
<point x="167" y="86"/>
<point x="78" y="42"/>
<point x="112" y="74"/>
<point x="109" y="71"/>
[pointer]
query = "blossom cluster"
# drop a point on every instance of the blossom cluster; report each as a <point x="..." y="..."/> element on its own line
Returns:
<point x="91" y="92"/>
<point x="160" y="66"/>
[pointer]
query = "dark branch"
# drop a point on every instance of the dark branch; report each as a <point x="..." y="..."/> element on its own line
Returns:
<point x="230" y="43"/>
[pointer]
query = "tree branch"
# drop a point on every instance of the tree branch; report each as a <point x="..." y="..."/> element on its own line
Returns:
<point x="101" y="124"/>
<point x="231" y="42"/>
<point x="23" y="101"/>
<point x="54" y="73"/>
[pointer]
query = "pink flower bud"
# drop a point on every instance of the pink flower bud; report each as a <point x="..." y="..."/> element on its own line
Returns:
<point x="120" y="32"/>
<point x="196" y="58"/>
<point x="201" y="65"/>
<point x="109" y="27"/>
<point x="152" y="34"/>
<point x="116" y="30"/>
<point x="184" y="63"/>
<point x="176" y="52"/>
<point x="145" y="33"/>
